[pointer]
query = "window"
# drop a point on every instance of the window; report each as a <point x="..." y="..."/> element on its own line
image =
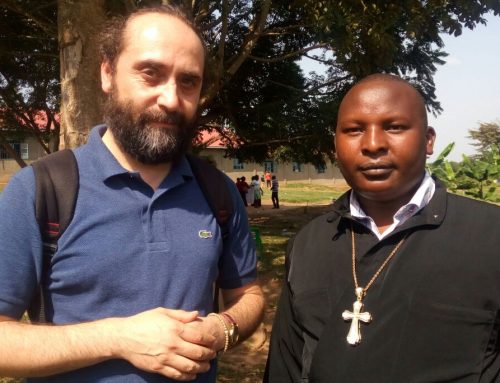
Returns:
<point x="269" y="166"/>
<point x="320" y="168"/>
<point x="20" y="148"/>
<point x="296" y="167"/>
<point x="237" y="165"/>
<point x="3" y="154"/>
<point x="24" y="151"/>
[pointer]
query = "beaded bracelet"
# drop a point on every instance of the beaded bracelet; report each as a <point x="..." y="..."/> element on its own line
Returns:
<point x="226" y="330"/>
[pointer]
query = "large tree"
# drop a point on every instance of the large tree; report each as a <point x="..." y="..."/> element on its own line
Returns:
<point x="487" y="136"/>
<point x="29" y="72"/>
<point x="257" y="96"/>
<point x="77" y="23"/>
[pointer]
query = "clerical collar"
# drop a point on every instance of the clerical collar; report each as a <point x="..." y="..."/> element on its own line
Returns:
<point x="419" y="200"/>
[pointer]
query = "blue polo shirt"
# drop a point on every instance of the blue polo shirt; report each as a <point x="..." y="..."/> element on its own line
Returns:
<point x="128" y="249"/>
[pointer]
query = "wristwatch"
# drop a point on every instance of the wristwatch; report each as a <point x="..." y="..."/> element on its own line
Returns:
<point x="234" y="334"/>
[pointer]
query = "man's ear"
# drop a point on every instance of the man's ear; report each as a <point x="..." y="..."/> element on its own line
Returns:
<point x="106" y="77"/>
<point x="430" y="138"/>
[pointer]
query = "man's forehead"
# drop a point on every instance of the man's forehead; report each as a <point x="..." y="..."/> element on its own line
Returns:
<point x="384" y="86"/>
<point x="376" y="90"/>
<point x="156" y="26"/>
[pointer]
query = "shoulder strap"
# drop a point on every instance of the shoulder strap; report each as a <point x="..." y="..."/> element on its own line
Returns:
<point x="214" y="186"/>
<point x="57" y="181"/>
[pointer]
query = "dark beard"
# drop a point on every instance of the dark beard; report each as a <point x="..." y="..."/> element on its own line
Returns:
<point x="147" y="144"/>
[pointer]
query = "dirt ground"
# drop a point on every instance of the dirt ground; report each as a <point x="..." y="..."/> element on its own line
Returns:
<point x="246" y="363"/>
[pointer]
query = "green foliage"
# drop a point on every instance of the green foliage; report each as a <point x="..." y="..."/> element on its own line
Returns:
<point x="399" y="37"/>
<point x="475" y="177"/>
<point x="480" y="175"/>
<point x="29" y="73"/>
<point x="443" y="170"/>
<point x="256" y="91"/>
<point x="486" y="136"/>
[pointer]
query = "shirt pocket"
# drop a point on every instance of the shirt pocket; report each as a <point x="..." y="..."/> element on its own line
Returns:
<point x="443" y="343"/>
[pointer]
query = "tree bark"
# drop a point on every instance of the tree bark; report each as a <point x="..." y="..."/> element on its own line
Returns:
<point x="81" y="96"/>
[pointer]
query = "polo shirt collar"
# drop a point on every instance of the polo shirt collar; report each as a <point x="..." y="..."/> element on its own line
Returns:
<point x="103" y="161"/>
<point x="107" y="166"/>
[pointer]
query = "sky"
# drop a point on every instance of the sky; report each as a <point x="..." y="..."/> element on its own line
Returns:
<point x="467" y="86"/>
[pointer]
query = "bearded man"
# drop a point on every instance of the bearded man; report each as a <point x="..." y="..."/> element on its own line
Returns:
<point x="131" y="283"/>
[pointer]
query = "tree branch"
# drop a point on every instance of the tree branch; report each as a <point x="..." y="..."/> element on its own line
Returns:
<point x="288" y="55"/>
<point x="46" y="25"/>
<point x="252" y="36"/>
<point x="328" y="83"/>
<point x="32" y="54"/>
<point x="280" y="141"/>
<point x="223" y="34"/>
<point x="326" y="62"/>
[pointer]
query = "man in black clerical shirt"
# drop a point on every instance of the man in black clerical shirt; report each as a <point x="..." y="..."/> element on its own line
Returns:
<point x="401" y="281"/>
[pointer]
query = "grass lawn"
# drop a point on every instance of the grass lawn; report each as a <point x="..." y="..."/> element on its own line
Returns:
<point x="306" y="194"/>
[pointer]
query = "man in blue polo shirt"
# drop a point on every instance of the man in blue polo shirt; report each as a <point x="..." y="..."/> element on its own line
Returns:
<point x="129" y="295"/>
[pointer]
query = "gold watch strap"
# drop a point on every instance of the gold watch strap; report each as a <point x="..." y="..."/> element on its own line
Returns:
<point x="234" y="334"/>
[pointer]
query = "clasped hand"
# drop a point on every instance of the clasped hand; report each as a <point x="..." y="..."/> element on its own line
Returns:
<point x="174" y="343"/>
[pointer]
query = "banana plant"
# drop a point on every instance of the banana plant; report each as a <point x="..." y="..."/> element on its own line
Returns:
<point x="442" y="169"/>
<point x="478" y="177"/>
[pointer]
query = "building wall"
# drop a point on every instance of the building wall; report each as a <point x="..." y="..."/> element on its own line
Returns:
<point x="283" y="171"/>
<point x="10" y="166"/>
<point x="35" y="149"/>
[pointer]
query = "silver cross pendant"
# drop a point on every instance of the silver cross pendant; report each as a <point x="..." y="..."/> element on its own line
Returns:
<point x="356" y="317"/>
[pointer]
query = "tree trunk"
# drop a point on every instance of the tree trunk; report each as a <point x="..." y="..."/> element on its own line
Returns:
<point x="81" y="96"/>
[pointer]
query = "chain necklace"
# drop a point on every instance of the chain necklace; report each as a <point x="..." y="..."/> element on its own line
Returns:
<point x="356" y="316"/>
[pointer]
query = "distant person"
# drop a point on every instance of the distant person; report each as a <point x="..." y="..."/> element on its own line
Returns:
<point x="250" y="192"/>
<point x="243" y="189"/>
<point x="267" y="177"/>
<point x="274" y="192"/>
<point x="257" y="191"/>
<point x="128" y="291"/>
<point x="401" y="281"/>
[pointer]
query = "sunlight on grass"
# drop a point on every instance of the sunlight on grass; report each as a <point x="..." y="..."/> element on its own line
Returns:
<point x="309" y="193"/>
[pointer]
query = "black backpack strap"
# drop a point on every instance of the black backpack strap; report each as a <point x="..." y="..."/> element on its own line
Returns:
<point x="214" y="186"/>
<point x="57" y="182"/>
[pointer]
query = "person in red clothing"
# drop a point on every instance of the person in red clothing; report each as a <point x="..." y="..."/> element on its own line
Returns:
<point x="242" y="187"/>
<point x="267" y="177"/>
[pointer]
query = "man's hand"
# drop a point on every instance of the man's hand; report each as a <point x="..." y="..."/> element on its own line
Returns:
<point x="210" y="325"/>
<point x="164" y="341"/>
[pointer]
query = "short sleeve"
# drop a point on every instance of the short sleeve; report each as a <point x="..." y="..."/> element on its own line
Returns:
<point x="20" y="245"/>
<point x="238" y="263"/>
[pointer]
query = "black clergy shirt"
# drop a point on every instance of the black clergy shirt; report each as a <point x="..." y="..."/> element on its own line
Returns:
<point x="435" y="307"/>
